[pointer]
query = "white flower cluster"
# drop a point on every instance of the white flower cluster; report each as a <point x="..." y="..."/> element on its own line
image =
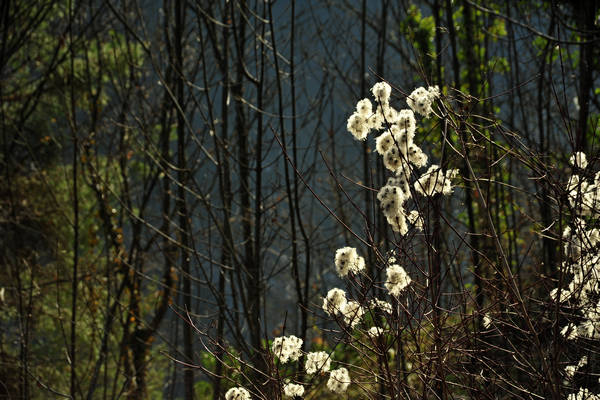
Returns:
<point x="582" y="262"/>
<point x="400" y="140"/>
<point x="582" y="259"/>
<point x="487" y="321"/>
<point x="287" y="348"/>
<point x="421" y="99"/>
<point x="293" y="390"/>
<point x="347" y="260"/>
<point x="400" y="154"/>
<point x="339" y="380"/>
<point x="358" y="125"/>
<point x="582" y="292"/>
<point x="382" y="305"/>
<point x="578" y="160"/>
<point x="584" y="195"/>
<point x="571" y="369"/>
<point x="318" y="361"/>
<point x="364" y="119"/>
<point x="391" y="199"/>
<point x="375" y="332"/>
<point x="334" y="302"/>
<point x="237" y="393"/>
<point x="416" y="219"/>
<point x="569" y="331"/>
<point x="435" y="181"/>
<point x="353" y="312"/>
<point x="580" y="242"/>
<point x="583" y="394"/>
<point x="397" y="279"/>
<point x="382" y="92"/>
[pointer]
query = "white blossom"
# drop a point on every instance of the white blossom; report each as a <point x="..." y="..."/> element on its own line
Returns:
<point x="403" y="139"/>
<point x="318" y="361"/>
<point x="406" y="120"/>
<point x="384" y="142"/>
<point x="398" y="223"/>
<point x="287" y="348"/>
<point x="569" y="331"/>
<point x="382" y="305"/>
<point x="583" y="394"/>
<point x="564" y="294"/>
<point x="397" y="279"/>
<point x="570" y="371"/>
<point x="339" y="380"/>
<point x="416" y="156"/>
<point x="237" y="393"/>
<point x="335" y="301"/>
<point x="389" y="114"/>
<point x="578" y="159"/>
<point x="435" y="181"/>
<point x="584" y="196"/>
<point x="376" y="120"/>
<point x="416" y="219"/>
<point x="382" y="91"/>
<point x="375" y="331"/>
<point x="364" y="108"/>
<point x="347" y="260"/>
<point x="358" y="126"/>
<point x="421" y="99"/>
<point x="589" y="328"/>
<point x="292" y="390"/>
<point x="487" y="321"/>
<point x="391" y="200"/>
<point x="401" y="182"/>
<point x="352" y="312"/>
<point x="582" y="259"/>
<point x="392" y="159"/>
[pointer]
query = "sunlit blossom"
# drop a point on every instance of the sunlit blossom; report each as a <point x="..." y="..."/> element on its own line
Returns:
<point x="318" y="361"/>
<point x="237" y="393"/>
<point x="339" y="380"/>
